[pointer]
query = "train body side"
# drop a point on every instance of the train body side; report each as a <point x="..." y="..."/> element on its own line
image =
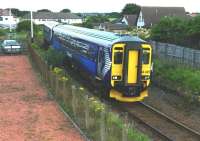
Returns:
<point x="127" y="77"/>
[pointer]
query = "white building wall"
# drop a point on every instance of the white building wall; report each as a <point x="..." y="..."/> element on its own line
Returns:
<point x="68" y="21"/>
<point x="72" y="21"/>
<point x="140" y="21"/>
<point x="125" y="21"/>
<point x="6" y="21"/>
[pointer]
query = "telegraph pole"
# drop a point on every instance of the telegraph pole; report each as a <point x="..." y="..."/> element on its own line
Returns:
<point x="10" y="20"/>
<point x="31" y="26"/>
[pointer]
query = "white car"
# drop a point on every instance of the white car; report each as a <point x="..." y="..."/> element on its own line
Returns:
<point x="11" y="46"/>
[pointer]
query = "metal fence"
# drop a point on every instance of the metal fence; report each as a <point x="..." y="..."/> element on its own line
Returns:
<point x="177" y="54"/>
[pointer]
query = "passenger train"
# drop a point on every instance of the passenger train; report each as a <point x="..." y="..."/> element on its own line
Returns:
<point x="121" y="62"/>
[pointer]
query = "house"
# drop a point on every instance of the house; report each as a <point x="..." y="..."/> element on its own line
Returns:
<point x="149" y="16"/>
<point x="41" y="17"/>
<point x="7" y="19"/>
<point x="194" y="14"/>
<point x="117" y="28"/>
<point x="130" y="20"/>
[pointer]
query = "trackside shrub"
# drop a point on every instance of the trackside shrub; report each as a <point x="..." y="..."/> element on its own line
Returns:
<point x="185" y="81"/>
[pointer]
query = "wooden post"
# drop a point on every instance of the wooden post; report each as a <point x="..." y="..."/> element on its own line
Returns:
<point x="87" y="117"/>
<point x="74" y="100"/>
<point x="125" y="128"/>
<point x="102" y="126"/>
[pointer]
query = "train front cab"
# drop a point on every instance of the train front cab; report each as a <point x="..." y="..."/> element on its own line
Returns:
<point x="130" y="71"/>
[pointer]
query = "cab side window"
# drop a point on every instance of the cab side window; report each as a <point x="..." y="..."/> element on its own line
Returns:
<point x="118" y="58"/>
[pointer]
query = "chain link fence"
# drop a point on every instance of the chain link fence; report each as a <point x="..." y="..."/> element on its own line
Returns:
<point x="176" y="54"/>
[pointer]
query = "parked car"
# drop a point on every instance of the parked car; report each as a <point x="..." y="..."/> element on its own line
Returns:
<point x="11" y="46"/>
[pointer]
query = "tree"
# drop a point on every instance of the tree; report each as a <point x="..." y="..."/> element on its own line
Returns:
<point x="18" y="13"/>
<point x="169" y="29"/>
<point x="44" y="10"/>
<point x="130" y="9"/>
<point x="114" y="15"/>
<point x="65" y="11"/>
<point x="25" y="26"/>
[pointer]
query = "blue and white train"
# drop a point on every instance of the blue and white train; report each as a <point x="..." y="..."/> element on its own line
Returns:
<point x="121" y="63"/>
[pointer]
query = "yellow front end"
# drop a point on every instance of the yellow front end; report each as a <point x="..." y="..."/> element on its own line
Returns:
<point x="131" y="68"/>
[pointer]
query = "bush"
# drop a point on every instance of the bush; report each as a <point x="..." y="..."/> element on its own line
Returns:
<point x="25" y="26"/>
<point x="179" y="79"/>
<point x="54" y="57"/>
<point x="178" y="31"/>
<point x="3" y="32"/>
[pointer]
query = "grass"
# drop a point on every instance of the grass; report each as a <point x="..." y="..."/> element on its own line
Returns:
<point x="183" y="80"/>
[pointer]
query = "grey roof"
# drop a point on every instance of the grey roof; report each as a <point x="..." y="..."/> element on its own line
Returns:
<point x="153" y="15"/>
<point x="131" y="19"/>
<point x="52" y="15"/>
<point x="111" y="26"/>
<point x="4" y="12"/>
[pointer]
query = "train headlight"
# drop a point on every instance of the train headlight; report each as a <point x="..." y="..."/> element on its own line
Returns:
<point x="116" y="77"/>
<point x="145" y="77"/>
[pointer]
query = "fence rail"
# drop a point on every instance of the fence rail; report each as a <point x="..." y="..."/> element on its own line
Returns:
<point x="178" y="54"/>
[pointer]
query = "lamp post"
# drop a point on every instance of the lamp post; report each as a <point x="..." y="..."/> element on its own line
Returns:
<point x="31" y="26"/>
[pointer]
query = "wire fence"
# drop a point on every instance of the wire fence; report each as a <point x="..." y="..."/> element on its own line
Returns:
<point x="177" y="54"/>
<point x="94" y="118"/>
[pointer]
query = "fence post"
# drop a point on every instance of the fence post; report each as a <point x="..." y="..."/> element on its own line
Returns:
<point x="102" y="126"/>
<point x="73" y="100"/>
<point x="166" y="48"/>
<point x="125" y="128"/>
<point x="86" y="112"/>
<point x="194" y="58"/>
<point x="56" y="85"/>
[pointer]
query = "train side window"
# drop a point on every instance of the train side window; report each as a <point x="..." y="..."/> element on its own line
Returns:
<point x="118" y="58"/>
<point x="145" y="58"/>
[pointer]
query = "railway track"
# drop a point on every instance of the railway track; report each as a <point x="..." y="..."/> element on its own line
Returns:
<point x="161" y="125"/>
<point x="156" y="124"/>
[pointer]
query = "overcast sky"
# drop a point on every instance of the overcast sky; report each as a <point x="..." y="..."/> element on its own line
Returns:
<point x="94" y="5"/>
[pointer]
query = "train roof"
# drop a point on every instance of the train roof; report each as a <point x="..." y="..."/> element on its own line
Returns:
<point x="99" y="37"/>
<point x="51" y="24"/>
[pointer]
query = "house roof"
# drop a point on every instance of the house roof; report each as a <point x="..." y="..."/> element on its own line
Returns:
<point x="153" y="15"/>
<point x="112" y="26"/>
<point x="131" y="19"/>
<point x="4" y="12"/>
<point x="52" y="15"/>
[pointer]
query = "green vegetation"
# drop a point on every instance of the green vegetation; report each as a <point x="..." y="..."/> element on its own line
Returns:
<point x="130" y="9"/>
<point x="66" y="11"/>
<point x="182" y="80"/>
<point x="25" y="26"/>
<point x="178" y="31"/>
<point x="114" y="15"/>
<point x="141" y="32"/>
<point x="19" y="13"/>
<point x="44" y="10"/>
<point x="3" y="32"/>
<point x="90" y="21"/>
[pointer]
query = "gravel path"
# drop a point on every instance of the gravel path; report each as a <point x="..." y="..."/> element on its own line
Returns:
<point x="26" y="112"/>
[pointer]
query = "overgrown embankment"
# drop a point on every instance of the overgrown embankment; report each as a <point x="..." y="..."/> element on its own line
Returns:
<point x="182" y="80"/>
<point x="92" y="116"/>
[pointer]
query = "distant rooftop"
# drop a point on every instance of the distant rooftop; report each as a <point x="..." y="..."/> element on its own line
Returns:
<point x="52" y="15"/>
<point x="4" y="12"/>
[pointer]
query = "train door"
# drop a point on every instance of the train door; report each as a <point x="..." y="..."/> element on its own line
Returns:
<point x="132" y="66"/>
<point x="101" y="62"/>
